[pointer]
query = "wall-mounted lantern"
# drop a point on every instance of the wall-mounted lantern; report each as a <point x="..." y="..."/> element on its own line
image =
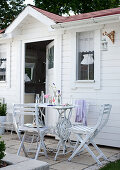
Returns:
<point x="104" y="45"/>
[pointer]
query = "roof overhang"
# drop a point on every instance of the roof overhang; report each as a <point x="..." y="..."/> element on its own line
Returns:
<point x="29" y="11"/>
<point x="87" y="22"/>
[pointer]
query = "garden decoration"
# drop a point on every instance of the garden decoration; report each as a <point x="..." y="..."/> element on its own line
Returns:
<point x="111" y="35"/>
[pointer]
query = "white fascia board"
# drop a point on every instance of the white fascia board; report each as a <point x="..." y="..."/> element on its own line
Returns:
<point x="17" y="21"/>
<point x="5" y="36"/>
<point x="29" y="11"/>
<point x="88" y="22"/>
<point x="40" y="17"/>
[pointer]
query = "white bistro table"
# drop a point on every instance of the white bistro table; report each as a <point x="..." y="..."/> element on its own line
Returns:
<point x="62" y="125"/>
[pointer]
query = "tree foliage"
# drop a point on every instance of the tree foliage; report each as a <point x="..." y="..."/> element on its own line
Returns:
<point x="9" y="9"/>
<point x="77" y="6"/>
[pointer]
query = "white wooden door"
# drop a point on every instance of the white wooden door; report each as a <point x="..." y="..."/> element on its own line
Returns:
<point x="49" y="67"/>
<point x="50" y="113"/>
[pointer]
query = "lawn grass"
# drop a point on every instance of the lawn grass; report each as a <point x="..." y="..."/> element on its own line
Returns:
<point x="112" y="166"/>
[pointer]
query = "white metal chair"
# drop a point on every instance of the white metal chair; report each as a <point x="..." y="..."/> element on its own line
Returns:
<point x="20" y="110"/>
<point x="86" y="135"/>
<point x="8" y="124"/>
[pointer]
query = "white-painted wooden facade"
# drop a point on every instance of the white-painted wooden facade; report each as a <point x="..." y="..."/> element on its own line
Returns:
<point x="32" y="26"/>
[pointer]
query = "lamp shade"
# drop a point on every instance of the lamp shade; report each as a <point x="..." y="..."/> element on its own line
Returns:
<point x="88" y="59"/>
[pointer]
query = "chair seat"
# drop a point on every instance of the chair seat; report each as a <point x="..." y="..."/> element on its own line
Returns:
<point x="28" y="129"/>
<point x="81" y="129"/>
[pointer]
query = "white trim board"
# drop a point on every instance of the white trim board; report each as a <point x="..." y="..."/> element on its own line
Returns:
<point x="26" y="12"/>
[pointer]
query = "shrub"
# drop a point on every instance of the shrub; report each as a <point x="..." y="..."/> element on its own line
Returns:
<point x="2" y="149"/>
<point x="3" y="109"/>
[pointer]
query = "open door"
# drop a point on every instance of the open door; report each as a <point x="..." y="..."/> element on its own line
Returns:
<point x="49" y="67"/>
<point x="50" y="113"/>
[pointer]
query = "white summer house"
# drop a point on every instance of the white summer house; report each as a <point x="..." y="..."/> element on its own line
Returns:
<point x="80" y="54"/>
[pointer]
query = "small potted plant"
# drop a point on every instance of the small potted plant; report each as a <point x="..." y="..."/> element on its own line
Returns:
<point x="3" y="112"/>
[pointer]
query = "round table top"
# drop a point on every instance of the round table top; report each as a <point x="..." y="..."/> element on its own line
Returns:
<point x="55" y="106"/>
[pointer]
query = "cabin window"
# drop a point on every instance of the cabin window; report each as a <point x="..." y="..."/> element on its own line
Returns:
<point x="85" y="56"/>
<point x="51" y="57"/>
<point x="3" y="55"/>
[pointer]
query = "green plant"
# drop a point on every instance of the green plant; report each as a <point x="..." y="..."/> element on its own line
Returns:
<point x="2" y="149"/>
<point x="112" y="166"/>
<point x="3" y="109"/>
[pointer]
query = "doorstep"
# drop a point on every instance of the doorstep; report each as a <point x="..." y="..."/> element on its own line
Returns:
<point x="19" y="162"/>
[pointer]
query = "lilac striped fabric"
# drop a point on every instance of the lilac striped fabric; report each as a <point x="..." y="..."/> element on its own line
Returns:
<point x="80" y="106"/>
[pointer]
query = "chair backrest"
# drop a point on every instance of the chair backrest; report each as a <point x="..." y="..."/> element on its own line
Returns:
<point x="20" y="110"/>
<point x="103" y="117"/>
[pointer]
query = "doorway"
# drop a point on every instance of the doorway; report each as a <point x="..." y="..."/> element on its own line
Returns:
<point x="35" y="69"/>
<point x="36" y="61"/>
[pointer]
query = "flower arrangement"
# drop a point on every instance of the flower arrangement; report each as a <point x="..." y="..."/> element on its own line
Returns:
<point x="54" y="89"/>
<point x="46" y="96"/>
<point x="55" y="98"/>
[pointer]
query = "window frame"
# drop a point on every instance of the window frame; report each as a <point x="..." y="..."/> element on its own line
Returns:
<point x="95" y="84"/>
<point x="6" y="83"/>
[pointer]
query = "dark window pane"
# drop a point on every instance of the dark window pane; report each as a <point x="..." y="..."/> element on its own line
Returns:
<point x="28" y="72"/>
<point x="2" y="69"/>
<point x="51" y="57"/>
<point x="85" y="70"/>
<point x="91" y="72"/>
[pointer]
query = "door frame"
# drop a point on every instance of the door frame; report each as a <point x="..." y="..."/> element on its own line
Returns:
<point x="57" y="52"/>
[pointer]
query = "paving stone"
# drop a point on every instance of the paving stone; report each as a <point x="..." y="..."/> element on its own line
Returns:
<point x="107" y="154"/>
<point x="49" y="160"/>
<point x="14" y="159"/>
<point x="94" y="167"/>
<point x="83" y="159"/>
<point x="19" y="163"/>
<point x="11" y="143"/>
<point x="79" y="162"/>
<point x="68" y="166"/>
<point x="29" y="165"/>
<point x="9" y="150"/>
<point x="114" y="157"/>
<point x="32" y="165"/>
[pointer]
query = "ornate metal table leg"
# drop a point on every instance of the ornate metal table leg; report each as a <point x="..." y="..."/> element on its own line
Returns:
<point x="62" y="129"/>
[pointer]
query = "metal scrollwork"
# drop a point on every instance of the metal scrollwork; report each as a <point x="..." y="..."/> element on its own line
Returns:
<point x="62" y="128"/>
